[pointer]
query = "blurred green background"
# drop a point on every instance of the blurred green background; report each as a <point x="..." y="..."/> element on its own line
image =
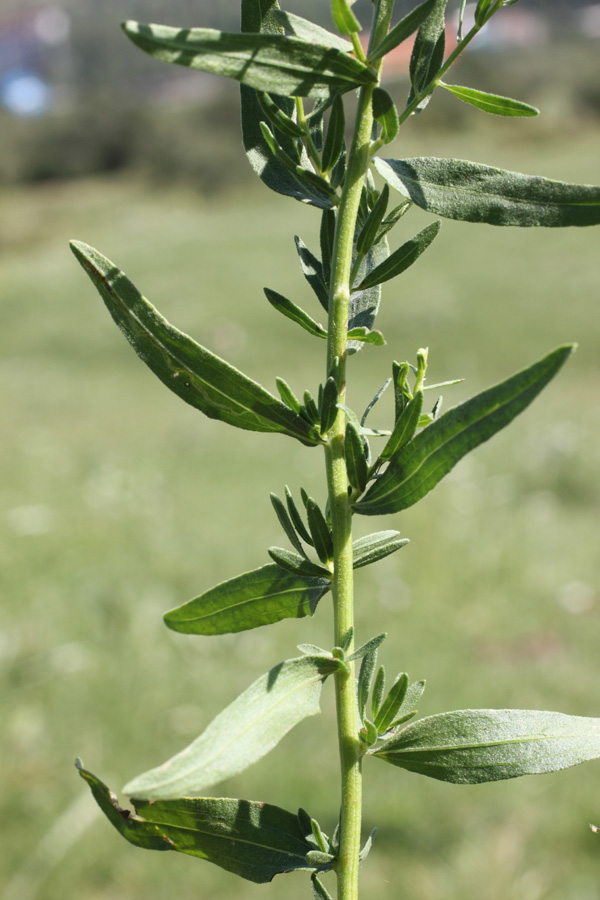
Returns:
<point x="119" y="502"/>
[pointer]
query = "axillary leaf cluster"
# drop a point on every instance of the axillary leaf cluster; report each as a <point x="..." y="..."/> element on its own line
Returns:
<point x="295" y="78"/>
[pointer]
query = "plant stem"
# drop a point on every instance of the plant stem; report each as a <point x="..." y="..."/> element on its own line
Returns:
<point x="341" y="513"/>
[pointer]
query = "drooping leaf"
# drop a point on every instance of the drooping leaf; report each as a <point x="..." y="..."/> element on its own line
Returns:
<point x="402" y="258"/>
<point x="296" y="564"/>
<point x="403" y="30"/>
<point x="259" y="597"/>
<point x="308" y="31"/>
<point x="295" y="313"/>
<point x="472" y="746"/>
<point x="428" y="52"/>
<point x="260" y="17"/>
<point x="386" y="114"/>
<point x="424" y="461"/>
<point x="193" y="373"/>
<point x="253" y="840"/>
<point x="470" y="192"/>
<point x="274" y="63"/>
<point x="376" y="546"/>
<point x="491" y="103"/>
<point x="242" y="733"/>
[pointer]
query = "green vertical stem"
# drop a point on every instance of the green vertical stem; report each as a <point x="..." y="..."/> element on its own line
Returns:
<point x="341" y="513"/>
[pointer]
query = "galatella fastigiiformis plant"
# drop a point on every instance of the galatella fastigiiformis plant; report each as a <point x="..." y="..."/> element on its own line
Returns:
<point x="295" y="78"/>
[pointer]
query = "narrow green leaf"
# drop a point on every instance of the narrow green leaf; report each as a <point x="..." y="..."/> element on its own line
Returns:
<point x="320" y="531"/>
<point x="320" y="892"/>
<point x="368" y="648"/>
<point x="402" y="393"/>
<point x="365" y="679"/>
<point x="491" y="103"/>
<point x="308" y="31"/>
<point x="296" y="517"/>
<point x="329" y="405"/>
<point x="311" y="408"/>
<point x="428" y="51"/>
<point x="343" y="17"/>
<point x="365" y="336"/>
<point x="356" y="462"/>
<point x="295" y="313"/>
<point x="296" y="564"/>
<point x="334" y="140"/>
<point x="287" y="395"/>
<point x="260" y="597"/>
<point x="193" y="373"/>
<point x="483" y="11"/>
<point x="303" y="174"/>
<point x="312" y="270"/>
<point x="376" y="546"/>
<point x="286" y="523"/>
<point x="370" y="229"/>
<point x="403" y="30"/>
<point x="319" y="837"/>
<point x="470" y="192"/>
<point x="392" y="703"/>
<point x="423" y="462"/>
<point x="378" y="691"/>
<point x="242" y="733"/>
<point x="253" y="840"/>
<point x="278" y="117"/>
<point x="314" y="650"/>
<point x="266" y="62"/>
<point x="375" y="399"/>
<point x="472" y="746"/>
<point x="405" y="428"/>
<point x="364" y="302"/>
<point x="408" y="707"/>
<point x="402" y="258"/>
<point x="367" y="847"/>
<point x="392" y="218"/>
<point x="386" y="114"/>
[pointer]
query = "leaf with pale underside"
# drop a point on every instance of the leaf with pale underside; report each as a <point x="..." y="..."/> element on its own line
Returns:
<point x="427" y="458"/>
<point x="473" y="746"/>
<point x="260" y="597"/>
<point x="253" y="840"/>
<point x="242" y="733"/>
<point x="275" y="63"/>
<point x="471" y="192"/>
<point x="202" y="379"/>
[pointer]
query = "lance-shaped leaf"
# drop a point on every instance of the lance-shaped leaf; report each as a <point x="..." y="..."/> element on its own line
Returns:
<point x="364" y="301"/>
<point x="266" y="62"/>
<point x="260" y="17"/>
<point x="402" y="258"/>
<point x="312" y="269"/>
<point x="491" y="103"/>
<point x="403" y="30"/>
<point x="242" y="733"/>
<point x="289" y="309"/>
<point x="472" y="746"/>
<point x="193" y="373"/>
<point x="424" y="461"/>
<point x="386" y="114"/>
<point x="260" y="597"/>
<point x="308" y="31"/>
<point x="296" y="564"/>
<point x="405" y="428"/>
<point x="253" y="840"/>
<point x="428" y="52"/>
<point x="334" y="141"/>
<point x="470" y="192"/>
<point x="376" y="546"/>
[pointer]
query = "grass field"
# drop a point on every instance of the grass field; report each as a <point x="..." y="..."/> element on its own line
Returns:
<point x="119" y="502"/>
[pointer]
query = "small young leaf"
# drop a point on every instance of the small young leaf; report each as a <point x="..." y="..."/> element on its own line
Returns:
<point x="326" y="239"/>
<point x="334" y="140"/>
<point x="295" y="313"/>
<point x="365" y="336"/>
<point x="424" y="461"/>
<point x="242" y="733"/>
<point x="392" y="218"/>
<point x="260" y="597"/>
<point x="266" y="62"/>
<point x="319" y="837"/>
<point x="472" y="746"/>
<point x="329" y="405"/>
<point x="296" y="517"/>
<point x="370" y="229"/>
<point x="470" y="192"/>
<point x="372" y="402"/>
<point x="348" y="638"/>
<point x="312" y="411"/>
<point x="368" y="733"/>
<point x="365" y="679"/>
<point x="253" y="840"/>
<point x="403" y="30"/>
<point x="402" y="393"/>
<point x="356" y="463"/>
<point x="286" y="523"/>
<point x="392" y="703"/>
<point x="343" y="17"/>
<point x="370" y="646"/>
<point x="386" y="114"/>
<point x="368" y="844"/>
<point x="402" y="258"/>
<point x="193" y="373"/>
<point x="482" y="12"/>
<point x="376" y="546"/>
<point x="491" y="103"/>
<point x="378" y="692"/>
<point x="405" y="428"/>
<point x="428" y="51"/>
<point x="320" y="892"/>
<point x="287" y="395"/>
<point x="312" y="270"/>
<point x="408" y="707"/>
<point x="320" y="531"/>
<point x="278" y="118"/>
<point x="308" y="31"/>
<point x="296" y="564"/>
<point x="304" y="175"/>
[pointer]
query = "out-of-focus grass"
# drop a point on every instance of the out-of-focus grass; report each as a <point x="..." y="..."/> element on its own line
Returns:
<point x="119" y="502"/>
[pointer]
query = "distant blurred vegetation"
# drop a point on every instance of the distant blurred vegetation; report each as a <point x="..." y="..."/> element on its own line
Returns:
<point x="117" y="110"/>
